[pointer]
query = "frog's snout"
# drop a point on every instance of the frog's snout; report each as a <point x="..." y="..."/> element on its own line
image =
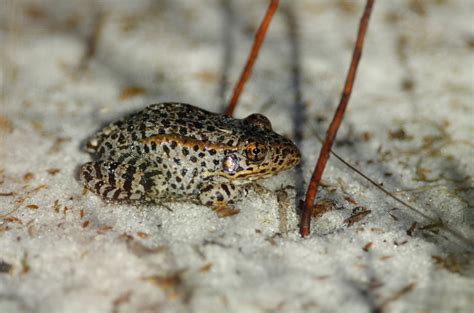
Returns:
<point x="291" y="155"/>
<point x="294" y="156"/>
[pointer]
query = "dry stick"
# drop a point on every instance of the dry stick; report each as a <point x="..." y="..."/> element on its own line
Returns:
<point x="259" y="37"/>
<point x="305" y="226"/>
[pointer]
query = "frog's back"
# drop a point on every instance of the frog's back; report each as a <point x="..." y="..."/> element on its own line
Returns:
<point x="176" y="119"/>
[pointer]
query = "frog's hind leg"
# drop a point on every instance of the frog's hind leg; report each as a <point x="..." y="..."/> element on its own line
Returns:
<point x="133" y="180"/>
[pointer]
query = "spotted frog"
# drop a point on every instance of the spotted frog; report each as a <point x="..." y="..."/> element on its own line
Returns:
<point x="178" y="152"/>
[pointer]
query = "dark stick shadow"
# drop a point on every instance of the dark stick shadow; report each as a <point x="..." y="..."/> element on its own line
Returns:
<point x="298" y="108"/>
<point x="228" y="22"/>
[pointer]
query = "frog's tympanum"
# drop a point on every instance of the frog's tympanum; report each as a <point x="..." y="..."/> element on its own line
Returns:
<point x="178" y="152"/>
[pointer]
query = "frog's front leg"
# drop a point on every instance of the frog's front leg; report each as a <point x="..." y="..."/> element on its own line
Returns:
<point x="218" y="196"/>
<point x="133" y="180"/>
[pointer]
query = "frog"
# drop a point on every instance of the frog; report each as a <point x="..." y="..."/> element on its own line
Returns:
<point x="174" y="151"/>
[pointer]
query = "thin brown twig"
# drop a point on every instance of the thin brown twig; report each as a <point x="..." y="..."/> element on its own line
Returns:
<point x="247" y="72"/>
<point x="305" y="226"/>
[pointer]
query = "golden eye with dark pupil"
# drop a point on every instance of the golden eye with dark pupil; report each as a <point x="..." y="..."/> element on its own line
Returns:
<point x="255" y="152"/>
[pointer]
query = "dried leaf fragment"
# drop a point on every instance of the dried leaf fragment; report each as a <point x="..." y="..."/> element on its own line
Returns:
<point x="5" y="267"/>
<point x="131" y="91"/>
<point x="323" y="206"/>
<point x="169" y="284"/>
<point x="358" y="213"/>
<point x="53" y="171"/>
<point x="368" y="246"/>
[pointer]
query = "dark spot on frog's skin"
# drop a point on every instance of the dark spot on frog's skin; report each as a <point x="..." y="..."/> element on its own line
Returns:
<point x="168" y="174"/>
<point x="146" y="181"/>
<point x="87" y="176"/>
<point x="230" y="142"/>
<point x="166" y="149"/>
<point x="203" y="164"/>
<point x="212" y="151"/>
<point x="128" y="177"/>
<point x="159" y="160"/>
<point x="185" y="151"/>
<point x="219" y="196"/>
<point x="207" y="188"/>
<point x="173" y="186"/>
<point x="143" y="166"/>
<point x="112" y="166"/>
<point x="161" y="131"/>
<point x="211" y="128"/>
<point x="209" y="203"/>
<point x="221" y="138"/>
<point x="226" y="189"/>
<point x="153" y="146"/>
<point x="196" y="148"/>
<point x="193" y="159"/>
<point x="198" y="125"/>
<point x="116" y="194"/>
<point x="216" y="162"/>
<point x="181" y="115"/>
<point x="184" y="171"/>
<point x="146" y="148"/>
<point x="130" y="128"/>
<point x="201" y="155"/>
<point x="177" y="161"/>
<point x="183" y="131"/>
<point x="178" y="179"/>
<point x="114" y="136"/>
<point x="173" y="144"/>
<point x="121" y="139"/>
<point x="280" y="162"/>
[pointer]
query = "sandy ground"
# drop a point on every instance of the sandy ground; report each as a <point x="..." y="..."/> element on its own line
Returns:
<point x="409" y="126"/>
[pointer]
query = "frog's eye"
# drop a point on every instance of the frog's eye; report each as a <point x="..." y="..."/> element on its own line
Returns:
<point x="255" y="152"/>
<point x="259" y="120"/>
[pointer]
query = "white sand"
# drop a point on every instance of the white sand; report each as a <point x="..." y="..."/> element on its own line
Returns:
<point x="71" y="252"/>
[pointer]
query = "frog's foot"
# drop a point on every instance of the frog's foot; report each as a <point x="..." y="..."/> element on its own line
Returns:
<point x="259" y="189"/>
<point x="224" y="210"/>
<point x="114" y="181"/>
<point x="218" y="196"/>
